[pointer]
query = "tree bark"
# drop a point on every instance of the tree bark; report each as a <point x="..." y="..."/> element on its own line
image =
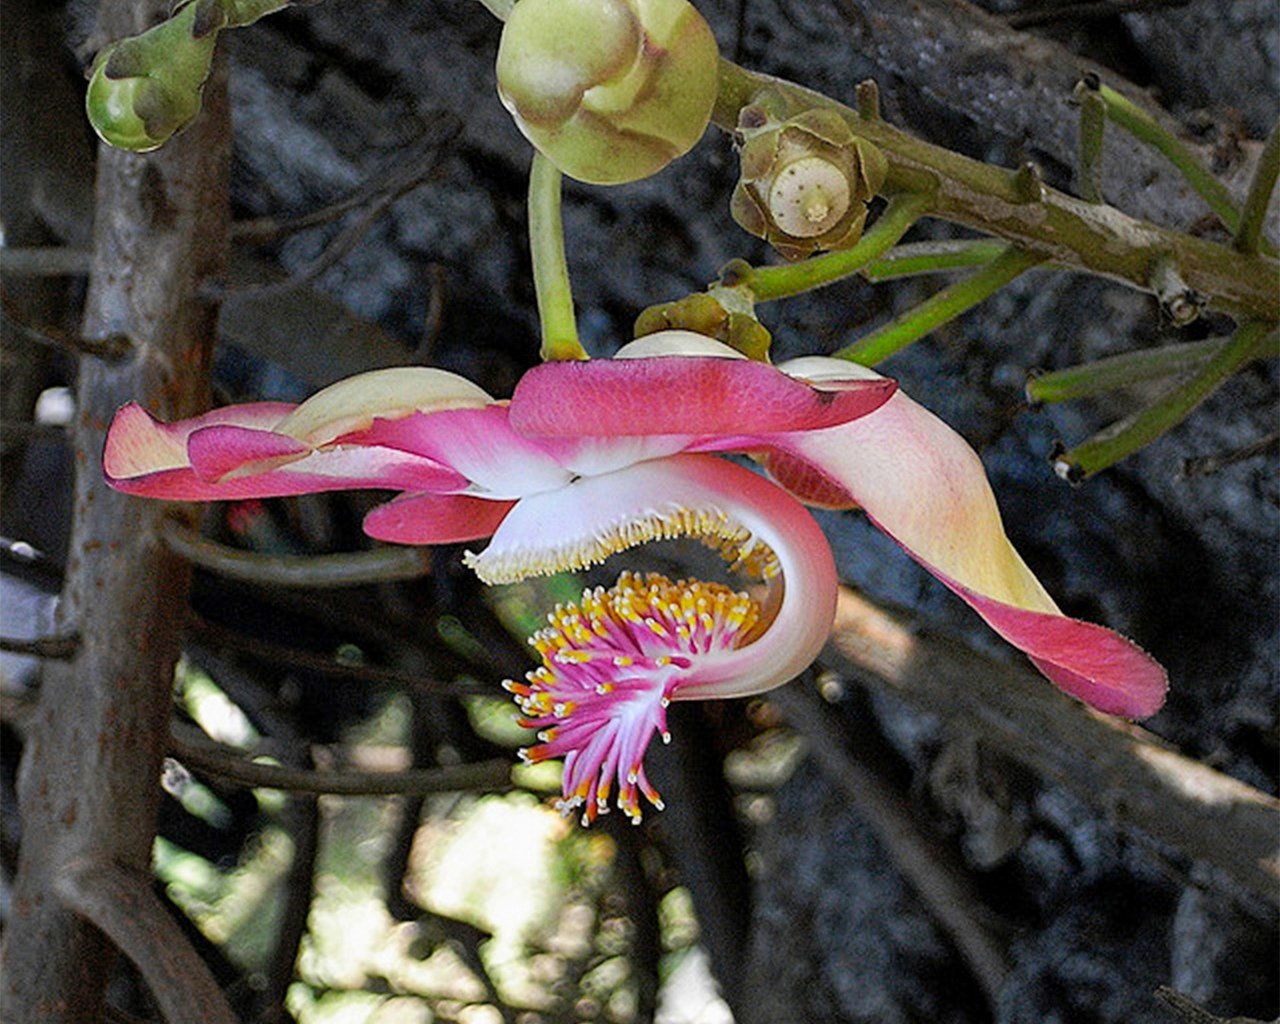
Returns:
<point x="89" y="785"/>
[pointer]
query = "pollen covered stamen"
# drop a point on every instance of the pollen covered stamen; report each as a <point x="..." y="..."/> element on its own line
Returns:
<point x="609" y="668"/>
<point x="744" y="552"/>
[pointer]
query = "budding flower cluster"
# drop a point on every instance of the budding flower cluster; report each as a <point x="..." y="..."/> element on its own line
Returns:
<point x="610" y="91"/>
<point x="805" y="182"/>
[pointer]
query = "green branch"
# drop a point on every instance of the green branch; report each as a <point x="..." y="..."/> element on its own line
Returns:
<point x="1249" y="234"/>
<point x="550" y="268"/>
<point x="1074" y="234"/>
<point x="940" y="308"/>
<point x="1143" y="127"/>
<point x="1093" y="122"/>
<point x="1122" y="371"/>
<point x="932" y="257"/>
<point x="1122" y="439"/>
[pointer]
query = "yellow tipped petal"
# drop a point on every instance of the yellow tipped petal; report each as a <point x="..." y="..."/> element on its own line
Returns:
<point x="354" y="403"/>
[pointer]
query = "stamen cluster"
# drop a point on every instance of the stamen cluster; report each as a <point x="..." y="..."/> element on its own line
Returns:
<point x="610" y="666"/>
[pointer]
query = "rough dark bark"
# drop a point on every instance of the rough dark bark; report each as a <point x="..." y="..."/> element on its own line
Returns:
<point x="89" y="786"/>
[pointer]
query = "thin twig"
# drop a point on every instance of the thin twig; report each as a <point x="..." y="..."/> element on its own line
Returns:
<point x="111" y="348"/>
<point x="123" y="907"/>
<point x="231" y="765"/>
<point x="950" y="896"/>
<point x="1204" y="465"/>
<point x="380" y="565"/>
<point x="1249" y="235"/>
<point x="58" y="646"/>
<point x="45" y="261"/>
<point x="410" y="171"/>
<point x="1189" y="1011"/>
<point x="1133" y="777"/>
<point x="279" y="654"/>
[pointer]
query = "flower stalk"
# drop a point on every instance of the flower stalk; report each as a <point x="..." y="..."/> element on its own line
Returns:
<point x="940" y="308"/>
<point x="1146" y="129"/>
<point x="1093" y="122"/>
<point x="784" y="281"/>
<point x="1249" y="235"/>
<point x="1120" y="371"/>
<point x="550" y="266"/>
<point x="1122" y="439"/>
<point x="913" y="258"/>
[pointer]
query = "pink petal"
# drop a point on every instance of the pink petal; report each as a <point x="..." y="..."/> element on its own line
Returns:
<point x="435" y="518"/>
<point x="478" y="443"/>
<point x="239" y="455"/>
<point x="681" y="395"/>
<point x="217" y="451"/>
<point x="138" y="444"/>
<point x="1092" y="663"/>
<point x="924" y="486"/>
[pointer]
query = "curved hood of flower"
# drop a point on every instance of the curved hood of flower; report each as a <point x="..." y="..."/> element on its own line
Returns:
<point x="916" y="479"/>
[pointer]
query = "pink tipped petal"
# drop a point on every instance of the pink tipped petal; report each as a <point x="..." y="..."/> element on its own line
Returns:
<point x="237" y="455"/>
<point x="218" y="451"/>
<point x="1092" y="663"/>
<point x="921" y="483"/>
<point x="685" y="395"/>
<point x="435" y="519"/>
<point x="138" y="445"/>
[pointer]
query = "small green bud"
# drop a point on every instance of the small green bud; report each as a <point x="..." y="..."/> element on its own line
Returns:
<point x="725" y="316"/>
<point x="805" y="182"/>
<point x="610" y="91"/>
<point x="145" y="88"/>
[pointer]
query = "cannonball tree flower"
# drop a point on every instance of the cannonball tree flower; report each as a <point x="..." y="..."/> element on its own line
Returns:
<point x="589" y="459"/>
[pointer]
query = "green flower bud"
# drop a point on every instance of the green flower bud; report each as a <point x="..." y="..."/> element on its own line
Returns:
<point x="725" y="316"/>
<point x="145" y="88"/>
<point x="805" y="182"/>
<point x="609" y="90"/>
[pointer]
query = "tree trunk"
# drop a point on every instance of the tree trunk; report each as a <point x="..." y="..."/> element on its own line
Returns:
<point x="89" y="785"/>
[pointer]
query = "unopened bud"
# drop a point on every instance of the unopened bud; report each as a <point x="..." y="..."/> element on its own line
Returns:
<point x="805" y="182"/>
<point x="609" y="91"/>
<point x="144" y="89"/>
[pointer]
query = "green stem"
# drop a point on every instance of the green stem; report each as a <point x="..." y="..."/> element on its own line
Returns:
<point x="785" y="280"/>
<point x="1124" y="438"/>
<point x="931" y="257"/>
<point x="550" y="269"/>
<point x="1089" y="237"/>
<point x="1120" y="371"/>
<point x="1143" y="127"/>
<point x="939" y="308"/>
<point x="1093" y="122"/>
<point x="1249" y="234"/>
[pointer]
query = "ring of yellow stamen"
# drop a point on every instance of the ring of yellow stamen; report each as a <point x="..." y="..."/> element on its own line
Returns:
<point x="744" y="552"/>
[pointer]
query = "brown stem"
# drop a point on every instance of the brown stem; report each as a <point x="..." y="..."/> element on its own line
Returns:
<point x="232" y="766"/>
<point x="91" y="767"/>
<point x="55" y="647"/>
<point x="379" y="565"/>
<point x="122" y="906"/>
